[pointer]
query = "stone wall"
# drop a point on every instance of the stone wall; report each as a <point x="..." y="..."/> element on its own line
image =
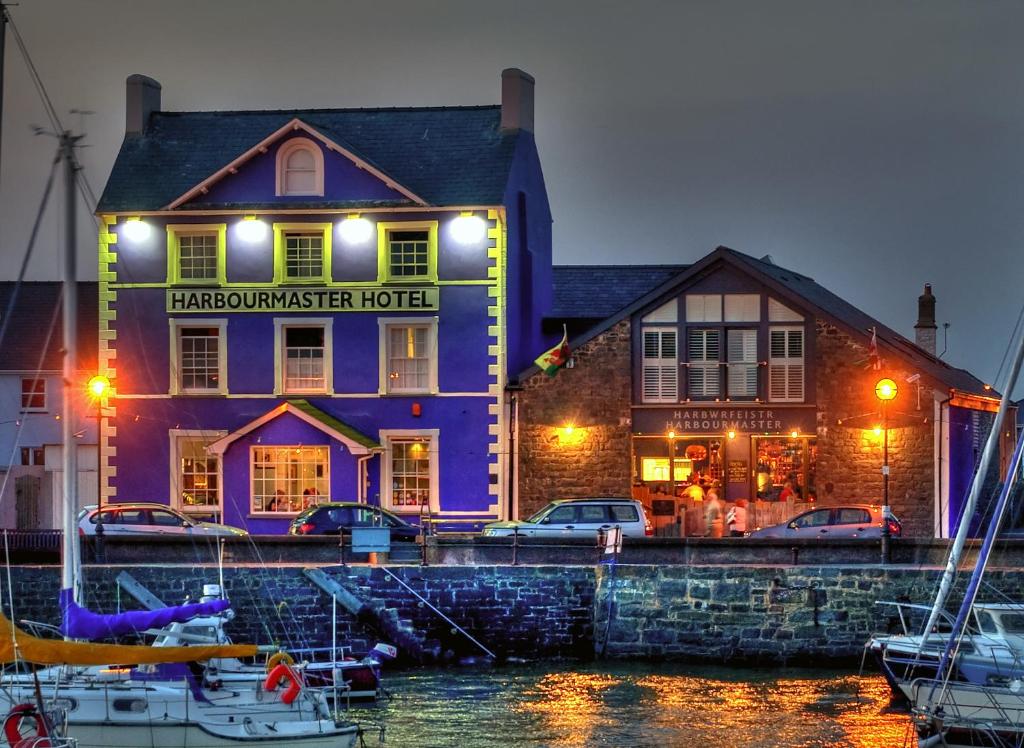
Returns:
<point x="850" y="453"/>
<point x="593" y="459"/>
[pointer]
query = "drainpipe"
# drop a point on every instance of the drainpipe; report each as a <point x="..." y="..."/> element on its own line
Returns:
<point x="938" y="423"/>
<point x="513" y="456"/>
<point x="361" y="476"/>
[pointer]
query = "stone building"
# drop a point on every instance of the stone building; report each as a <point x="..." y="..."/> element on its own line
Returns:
<point x="752" y="375"/>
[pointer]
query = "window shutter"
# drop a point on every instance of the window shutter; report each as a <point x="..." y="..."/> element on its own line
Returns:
<point x="742" y="353"/>
<point x="786" y="364"/>
<point x="703" y="354"/>
<point x="660" y="369"/>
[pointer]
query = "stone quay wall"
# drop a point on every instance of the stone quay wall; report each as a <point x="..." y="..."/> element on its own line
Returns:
<point x="729" y="613"/>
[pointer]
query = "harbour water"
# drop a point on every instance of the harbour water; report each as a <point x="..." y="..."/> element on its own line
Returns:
<point x="570" y="705"/>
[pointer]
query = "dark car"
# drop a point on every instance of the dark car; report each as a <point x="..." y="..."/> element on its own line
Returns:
<point x="848" y="521"/>
<point x="332" y="518"/>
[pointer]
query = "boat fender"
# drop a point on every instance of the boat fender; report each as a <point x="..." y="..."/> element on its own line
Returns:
<point x="12" y="728"/>
<point x="279" y="657"/>
<point x="283" y="672"/>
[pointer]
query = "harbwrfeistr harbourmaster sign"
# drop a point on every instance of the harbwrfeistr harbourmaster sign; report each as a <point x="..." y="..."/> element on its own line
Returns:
<point x="302" y="299"/>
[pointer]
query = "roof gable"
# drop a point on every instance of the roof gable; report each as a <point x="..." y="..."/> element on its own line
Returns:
<point x="445" y="156"/>
<point x="252" y="176"/>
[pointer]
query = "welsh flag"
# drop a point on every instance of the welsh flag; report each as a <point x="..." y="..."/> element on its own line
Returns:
<point x="555" y="358"/>
<point x="874" y="360"/>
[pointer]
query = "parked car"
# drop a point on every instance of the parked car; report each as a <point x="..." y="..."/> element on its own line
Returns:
<point x="144" y="518"/>
<point x="333" y="517"/>
<point x="846" y="521"/>
<point x="579" y="518"/>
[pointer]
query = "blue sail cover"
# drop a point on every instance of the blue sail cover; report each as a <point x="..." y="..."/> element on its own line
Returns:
<point x="82" y="623"/>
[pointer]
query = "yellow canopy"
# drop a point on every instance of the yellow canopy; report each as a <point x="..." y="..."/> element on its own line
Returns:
<point x="15" y="645"/>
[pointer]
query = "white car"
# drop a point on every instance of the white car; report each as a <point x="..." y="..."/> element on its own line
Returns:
<point x="143" y="518"/>
<point x="579" y="518"/>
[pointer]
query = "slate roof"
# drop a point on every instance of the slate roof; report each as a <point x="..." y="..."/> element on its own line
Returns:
<point x="598" y="291"/>
<point x="445" y="155"/>
<point x="36" y="323"/>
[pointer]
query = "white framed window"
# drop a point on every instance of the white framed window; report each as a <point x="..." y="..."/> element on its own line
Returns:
<point x="303" y="355"/>
<point x="196" y="253"/>
<point x="704" y="307"/>
<point x="742" y="307"/>
<point x="786" y="364"/>
<point x="410" y="469"/>
<point x="196" y="476"/>
<point x="303" y="256"/>
<point x="285" y="479"/>
<point x="300" y="168"/>
<point x="741" y="350"/>
<point x="407" y="251"/>
<point x="199" y="357"/>
<point x="667" y="312"/>
<point x="779" y="312"/>
<point x="704" y="355"/>
<point x="660" y="366"/>
<point x="408" y="355"/>
<point x="33" y="394"/>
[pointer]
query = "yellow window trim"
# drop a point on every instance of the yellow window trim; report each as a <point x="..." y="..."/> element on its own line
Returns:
<point x="280" y="229"/>
<point x="383" y="256"/>
<point x="175" y="231"/>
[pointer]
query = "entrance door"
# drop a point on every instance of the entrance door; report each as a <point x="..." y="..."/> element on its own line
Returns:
<point x="26" y="502"/>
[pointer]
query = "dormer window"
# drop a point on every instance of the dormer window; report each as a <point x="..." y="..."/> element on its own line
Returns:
<point x="300" y="168"/>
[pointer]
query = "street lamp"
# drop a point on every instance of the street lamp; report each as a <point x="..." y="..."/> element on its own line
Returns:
<point x="98" y="386"/>
<point x="885" y="391"/>
<point x="671" y="463"/>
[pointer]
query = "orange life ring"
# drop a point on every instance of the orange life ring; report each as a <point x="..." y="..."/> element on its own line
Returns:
<point x="12" y="728"/>
<point x="279" y="657"/>
<point x="282" y="672"/>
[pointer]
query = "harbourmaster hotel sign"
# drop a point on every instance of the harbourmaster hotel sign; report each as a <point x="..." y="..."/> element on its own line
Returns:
<point x="279" y="299"/>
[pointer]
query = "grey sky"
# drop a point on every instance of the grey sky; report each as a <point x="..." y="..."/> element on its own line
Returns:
<point x="872" y="146"/>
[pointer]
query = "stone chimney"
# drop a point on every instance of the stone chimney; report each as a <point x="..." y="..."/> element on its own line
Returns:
<point x="516" y="100"/>
<point x="142" y="99"/>
<point x="925" y="328"/>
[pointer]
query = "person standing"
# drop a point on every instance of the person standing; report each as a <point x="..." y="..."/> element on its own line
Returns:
<point x="696" y="490"/>
<point x="736" y="519"/>
<point x="714" y="514"/>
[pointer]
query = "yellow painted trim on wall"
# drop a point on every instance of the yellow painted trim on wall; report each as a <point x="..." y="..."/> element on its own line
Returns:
<point x="280" y="229"/>
<point x="106" y="353"/>
<point x="383" y="266"/>
<point x="175" y="231"/>
<point x="334" y="284"/>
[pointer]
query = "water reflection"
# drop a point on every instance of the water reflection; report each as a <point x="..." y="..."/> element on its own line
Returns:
<point x="640" y="705"/>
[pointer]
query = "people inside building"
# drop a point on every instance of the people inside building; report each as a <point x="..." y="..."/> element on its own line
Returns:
<point x="787" y="491"/>
<point x="695" y="492"/>
<point x="736" y="519"/>
<point x="714" y="514"/>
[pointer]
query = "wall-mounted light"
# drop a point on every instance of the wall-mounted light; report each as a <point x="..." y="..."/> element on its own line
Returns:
<point x="794" y="434"/>
<point x="355" y="230"/>
<point x="568" y="429"/>
<point x="135" y="230"/>
<point x="251" y="229"/>
<point x="732" y="434"/>
<point x="877" y="430"/>
<point x="468" y="229"/>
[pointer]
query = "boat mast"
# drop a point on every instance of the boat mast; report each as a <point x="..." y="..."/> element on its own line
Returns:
<point x="68" y="409"/>
<point x="991" y="444"/>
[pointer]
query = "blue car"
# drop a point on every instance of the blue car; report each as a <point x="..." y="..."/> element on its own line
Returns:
<point x="847" y="521"/>
<point x="333" y="517"/>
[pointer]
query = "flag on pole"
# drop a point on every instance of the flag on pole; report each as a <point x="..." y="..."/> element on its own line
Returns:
<point x="873" y="358"/>
<point x="555" y="358"/>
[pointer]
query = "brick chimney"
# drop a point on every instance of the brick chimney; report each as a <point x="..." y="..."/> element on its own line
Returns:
<point x="924" y="330"/>
<point x="142" y="99"/>
<point x="516" y="100"/>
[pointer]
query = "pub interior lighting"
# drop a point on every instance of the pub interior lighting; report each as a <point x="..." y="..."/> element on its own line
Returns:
<point x="732" y="434"/>
<point x="251" y="229"/>
<point x="135" y="229"/>
<point x="794" y="434"/>
<point x="878" y="430"/>
<point x="355" y="229"/>
<point x="468" y="229"/>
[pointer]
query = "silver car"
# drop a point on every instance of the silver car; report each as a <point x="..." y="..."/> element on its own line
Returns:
<point x="144" y="518"/>
<point x="579" y="518"/>
<point x="847" y="521"/>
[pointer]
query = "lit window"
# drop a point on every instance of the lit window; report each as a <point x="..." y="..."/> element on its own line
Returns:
<point x="408" y="348"/>
<point x="199" y="477"/>
<point x="300" y="168"/>
<point x="304" y="256"/>
<point x="288" y="479"/>
<point x="660" y="369"/>
<point x="410" y="472"/>
<point x="786" y="364"/>
<point x="33" y="394"/>
<point x="304" y="369"/>
<point x="199" y="359"/>
<point x="197" y="257"/>
<point x="703" y="380"/>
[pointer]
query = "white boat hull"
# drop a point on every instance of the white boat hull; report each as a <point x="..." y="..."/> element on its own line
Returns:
<point x="191" y="735"/>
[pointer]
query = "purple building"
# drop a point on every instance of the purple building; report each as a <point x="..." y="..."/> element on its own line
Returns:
<point x="296" y="305"/>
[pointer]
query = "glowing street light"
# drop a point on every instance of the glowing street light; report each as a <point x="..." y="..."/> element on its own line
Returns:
<point x="885" y="391"/>
<point x="98" y="388"/>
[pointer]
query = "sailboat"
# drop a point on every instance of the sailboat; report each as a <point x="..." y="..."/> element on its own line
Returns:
<point x="162" y="701"/>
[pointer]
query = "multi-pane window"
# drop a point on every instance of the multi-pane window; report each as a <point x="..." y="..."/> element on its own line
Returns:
<point x="289" y="479"/>
<point x="33" y="394"/>
<point x="199" y="359"/>
<point x="300" y="172"/>
<point x="704" y="353"/>
<point x="742" y="307"/>
<point x="660" y="368"/>
<point x="741" y="348"/>
<point x="408" y="254"/>
<point x="198" y="475"/>
<point x="705" y="307"/>
<point x="304" y="360"/>
<point x="410" y="472"/>
<point x="786" y="364"/>
<point x="304" y="256"/>
<point x="197" y="257"/>
<point x="408" y="358"/>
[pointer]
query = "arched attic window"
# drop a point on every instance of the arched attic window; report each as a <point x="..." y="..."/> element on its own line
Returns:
<point x="300" y="168"/>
